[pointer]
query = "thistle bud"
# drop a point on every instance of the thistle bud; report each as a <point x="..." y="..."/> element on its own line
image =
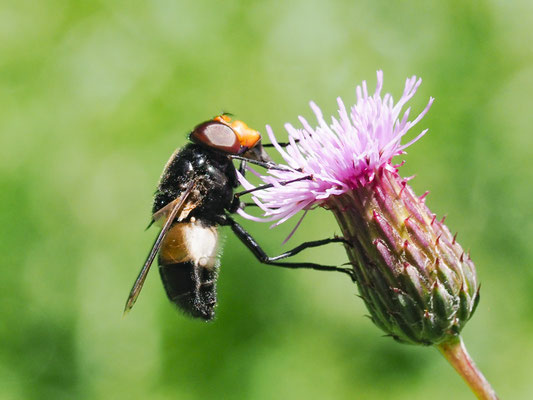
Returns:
<point x="417" y="282"/>
<point x="415" y="279"/>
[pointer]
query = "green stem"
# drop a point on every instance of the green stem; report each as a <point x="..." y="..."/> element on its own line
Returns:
<point x="455" y="352"/>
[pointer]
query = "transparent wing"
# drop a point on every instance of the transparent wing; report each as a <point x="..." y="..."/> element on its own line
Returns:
<point x="178" y="206"/>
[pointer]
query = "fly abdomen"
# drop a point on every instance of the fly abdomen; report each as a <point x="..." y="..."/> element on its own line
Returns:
<point x="191" y="287"/>
<point x="188" y="265"/>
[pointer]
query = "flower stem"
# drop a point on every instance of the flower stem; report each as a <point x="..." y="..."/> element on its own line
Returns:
<point x="455" y="352"/>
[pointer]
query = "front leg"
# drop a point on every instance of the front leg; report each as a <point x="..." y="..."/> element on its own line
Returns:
<point x="264" y="164"/>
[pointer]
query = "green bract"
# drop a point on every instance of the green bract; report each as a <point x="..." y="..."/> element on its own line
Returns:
<point x="417" y="282"/>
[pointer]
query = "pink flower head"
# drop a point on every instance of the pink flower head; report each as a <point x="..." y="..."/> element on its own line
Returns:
<point x="339" y="157"/>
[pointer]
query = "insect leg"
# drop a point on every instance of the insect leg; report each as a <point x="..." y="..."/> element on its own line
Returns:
<point x="282" y="144"/>
<point x="264" y="164"/>
<point x="269" y="185"/>
<point x="260" y="254"/>
<point x="242" y="167"/>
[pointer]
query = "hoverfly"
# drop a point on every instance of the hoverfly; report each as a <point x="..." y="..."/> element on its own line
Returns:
<point x="195" y="195"/>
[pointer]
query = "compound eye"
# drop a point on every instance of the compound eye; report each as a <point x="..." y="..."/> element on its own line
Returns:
<point x="216" y="135"/>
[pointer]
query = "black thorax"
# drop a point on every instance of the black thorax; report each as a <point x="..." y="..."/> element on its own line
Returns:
<point x="215" y="179"/>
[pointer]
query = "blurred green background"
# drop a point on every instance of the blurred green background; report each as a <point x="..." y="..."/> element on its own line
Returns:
<point x="94" y="97"/>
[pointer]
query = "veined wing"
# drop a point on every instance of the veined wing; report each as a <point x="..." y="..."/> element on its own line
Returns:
<point x="178" y="207"/>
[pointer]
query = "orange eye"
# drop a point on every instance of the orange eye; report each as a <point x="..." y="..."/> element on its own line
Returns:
<point x="216" y="135"/>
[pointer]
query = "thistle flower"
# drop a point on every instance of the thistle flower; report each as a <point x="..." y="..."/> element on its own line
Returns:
<point x="418" y="284"/>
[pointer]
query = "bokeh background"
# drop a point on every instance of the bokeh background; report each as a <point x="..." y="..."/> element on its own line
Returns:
<point x="94" y="97"/>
